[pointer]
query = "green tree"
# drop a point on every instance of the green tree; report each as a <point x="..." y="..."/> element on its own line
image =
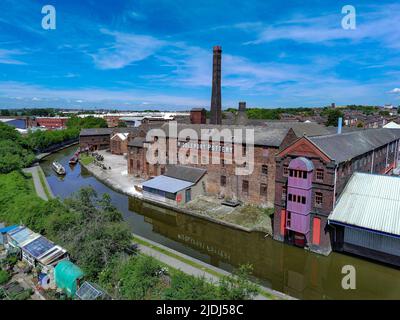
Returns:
<point x="332" y="116"/>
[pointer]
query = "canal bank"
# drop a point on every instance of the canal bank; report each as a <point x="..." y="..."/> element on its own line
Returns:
<point x="112" y="171"/>
<point x="283" y="268"/>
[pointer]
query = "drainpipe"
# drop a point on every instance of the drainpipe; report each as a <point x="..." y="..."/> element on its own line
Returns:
<point x="372" y="163"/>
<point x="334" y="188"/>
<point x="387" y="155"/>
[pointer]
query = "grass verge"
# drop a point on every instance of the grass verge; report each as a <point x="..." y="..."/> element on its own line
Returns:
<point x="86" y="160"/>
<point x="42" y="179"/>
<point x="194" y="264"/>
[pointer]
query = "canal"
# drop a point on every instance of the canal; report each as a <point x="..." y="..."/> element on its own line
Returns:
<point x="291" y="270"/>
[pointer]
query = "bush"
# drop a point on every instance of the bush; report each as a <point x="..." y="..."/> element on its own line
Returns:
<point x="185" y="287"/>
<point x="4" y="277"/>
<point x="238" y="286"/>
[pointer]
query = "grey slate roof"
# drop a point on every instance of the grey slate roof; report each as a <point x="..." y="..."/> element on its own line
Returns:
<point x="370" y="201"/>
<point x="137" y="142"/>
<point x="345" y="146"/>
<point x="96" y="132"/>
<point x="262" y="135"/>
<point x="309" y="129"/>
<point x="185" y="173"/>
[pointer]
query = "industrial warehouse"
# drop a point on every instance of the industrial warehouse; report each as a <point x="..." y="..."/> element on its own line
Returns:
<point x="300" y="169"/>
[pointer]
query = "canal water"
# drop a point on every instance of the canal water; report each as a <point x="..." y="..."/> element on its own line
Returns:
<point x="291" y="270"/>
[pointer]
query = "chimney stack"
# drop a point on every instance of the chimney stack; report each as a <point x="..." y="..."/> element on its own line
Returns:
<point x="339" y="127"/>
<point x="216" y="112"/>
<point x="242" y="115"/>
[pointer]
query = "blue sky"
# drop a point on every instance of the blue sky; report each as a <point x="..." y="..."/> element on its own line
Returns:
<point x="145" y="54"/>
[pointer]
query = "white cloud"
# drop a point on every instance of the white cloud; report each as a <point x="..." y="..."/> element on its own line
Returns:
<point x="8" y="57"/>
<point x="376" y="23"/>
<point x="395" y="90"/>
<point x="125" y="49"/>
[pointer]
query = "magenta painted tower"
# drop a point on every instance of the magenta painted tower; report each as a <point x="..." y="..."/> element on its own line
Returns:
<point x="299" y="198"/>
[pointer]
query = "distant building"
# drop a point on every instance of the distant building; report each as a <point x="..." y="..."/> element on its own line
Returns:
<point x="198" y="116"/>
<point x="50" y="122"/>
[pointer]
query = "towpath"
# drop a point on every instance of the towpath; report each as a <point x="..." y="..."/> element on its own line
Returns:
<point x="40" y="186"/>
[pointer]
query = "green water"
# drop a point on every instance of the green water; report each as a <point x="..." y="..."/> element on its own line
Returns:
<point x="284" y="268"/>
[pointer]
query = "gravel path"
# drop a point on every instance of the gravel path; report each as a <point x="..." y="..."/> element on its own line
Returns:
<point x="194" y="271"/>
<point x="36" y="181"/>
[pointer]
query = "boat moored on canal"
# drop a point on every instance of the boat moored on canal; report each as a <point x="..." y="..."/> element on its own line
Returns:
<point x="58" y="168"/>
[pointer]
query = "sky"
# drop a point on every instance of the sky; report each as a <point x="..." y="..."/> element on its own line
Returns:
<point x="148" y="54"/>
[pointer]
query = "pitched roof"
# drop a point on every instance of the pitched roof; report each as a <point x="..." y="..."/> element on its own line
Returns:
<point x="185" y="173"/>
<point x="137" y="142"/>
<point x="309" y="129"/>
<point x="167" y="184"/>
<point x="96" y="132"/>
<point x="370" y="201"/>
<point x="345" y="146"/>
<point x="262" y="135"/>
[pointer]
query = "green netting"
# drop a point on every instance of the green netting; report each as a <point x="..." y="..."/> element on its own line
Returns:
<point x="66" y="275"/>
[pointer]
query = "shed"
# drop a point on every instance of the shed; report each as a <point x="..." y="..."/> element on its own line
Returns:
<point x="168" y="190"/>
<point x="4" y="231"/>
<point x="90" y="291"/>
<point x="366" y="218"/>
<point x="68" y="276"/>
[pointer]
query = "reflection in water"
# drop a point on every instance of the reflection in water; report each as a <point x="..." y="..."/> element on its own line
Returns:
<point x="284" y="268"/>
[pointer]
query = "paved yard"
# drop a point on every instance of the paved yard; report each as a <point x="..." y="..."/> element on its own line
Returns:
<point x="116" y="174"/>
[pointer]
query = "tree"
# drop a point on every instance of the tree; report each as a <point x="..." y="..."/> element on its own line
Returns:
<point x="333" y="116"/>
<point x="238" y="286"/>
<point x="94" y="232"/>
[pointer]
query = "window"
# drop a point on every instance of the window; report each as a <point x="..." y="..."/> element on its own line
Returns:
<point x="303" y="200"/>
<point x="245" y="187"/>
<point x="320" y="174"/>
<point x="264" y="169"/>
<point x="265" y="152"/>
<point x="263" y="189"/>
<point x="223" y="181"/>
<point x="285" y="170"/>
<point x="223" y="162"/>
<point x="304" y="174"/>
<point x="288" y="220"/>
<point x="284" y="192"/>
<point x="162" y="170"/>
<point x="318" y="199"/>
<point x="138" y="164"/>
<point x="290" y="197"/>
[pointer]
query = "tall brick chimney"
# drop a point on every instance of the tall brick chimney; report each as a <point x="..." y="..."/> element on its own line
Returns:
<point x="216" y="116"/>
<point x="241" y="118"/>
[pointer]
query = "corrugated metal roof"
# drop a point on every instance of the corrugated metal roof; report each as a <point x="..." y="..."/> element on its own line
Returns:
<point x="370" y="201"/>
<point x="167" y="184"/>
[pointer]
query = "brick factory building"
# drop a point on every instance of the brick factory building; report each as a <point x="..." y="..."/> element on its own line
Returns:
<point x="312" y="172"/>
<point x="257" y="187"/>
<point x="119" y="143"/>
<point x="95" y="139"/>
<point x="50" y="122"/>
<point x="198" y="116"/>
